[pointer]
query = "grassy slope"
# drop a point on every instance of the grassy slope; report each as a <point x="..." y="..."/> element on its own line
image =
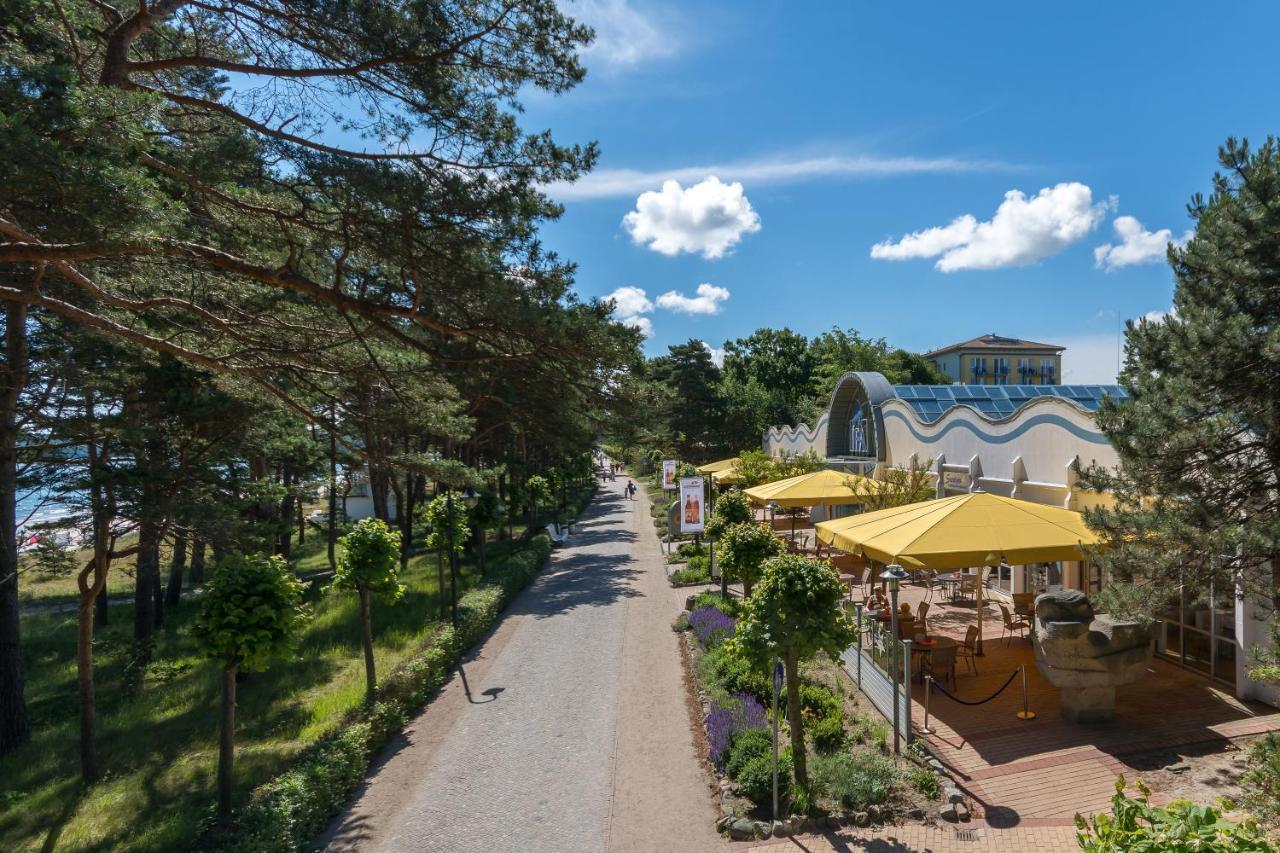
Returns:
<point x="158" y="747"/>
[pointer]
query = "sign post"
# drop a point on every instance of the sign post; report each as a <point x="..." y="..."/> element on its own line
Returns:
<point x="777" y="688"/>
<point x="668" y="474"/>
<point x="690" y="505"/>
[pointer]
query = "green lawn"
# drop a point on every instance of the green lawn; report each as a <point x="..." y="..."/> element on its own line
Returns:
<point x="158" y="741"/>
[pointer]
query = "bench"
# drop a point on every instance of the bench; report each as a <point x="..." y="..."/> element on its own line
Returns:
<point x="558" y="536"/>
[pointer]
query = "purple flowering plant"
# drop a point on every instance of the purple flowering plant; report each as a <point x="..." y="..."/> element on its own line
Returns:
<point x="728" y="717"/>
<point x="711" y="626"/>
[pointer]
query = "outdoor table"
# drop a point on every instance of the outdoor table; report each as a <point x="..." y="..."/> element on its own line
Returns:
<point x="848" y="580"/>
<point x="952" y="580"/>
<point x="925" y="648"/>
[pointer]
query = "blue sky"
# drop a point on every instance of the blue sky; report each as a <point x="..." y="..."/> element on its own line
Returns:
<point x="852" y="124"/>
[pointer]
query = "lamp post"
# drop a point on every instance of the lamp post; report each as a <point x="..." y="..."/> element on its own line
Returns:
<point x="893" y="575"/>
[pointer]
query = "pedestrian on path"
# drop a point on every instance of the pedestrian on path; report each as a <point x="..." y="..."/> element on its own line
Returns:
<point x="629" y="490"/>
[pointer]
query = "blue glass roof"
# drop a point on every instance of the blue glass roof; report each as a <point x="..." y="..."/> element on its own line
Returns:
<point x="998" y="401"/>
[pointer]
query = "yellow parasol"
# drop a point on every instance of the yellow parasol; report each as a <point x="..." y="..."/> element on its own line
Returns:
<point x="975" y="529"/>
<point x="824" y="488"/>
<point x="716" y="467"/>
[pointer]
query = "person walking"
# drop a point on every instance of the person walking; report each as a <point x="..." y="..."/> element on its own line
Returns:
<point x="626" y="490"/>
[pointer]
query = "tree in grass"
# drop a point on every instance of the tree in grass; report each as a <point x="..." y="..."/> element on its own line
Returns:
<point x="1198" y="486"/>
<point x="731" y="508"/>
<point x="793" y="615"/>
<point x="252" y="611"/>
<point x="744" y="549"/>
<point x="447" y="531"/>
<point x="538" y="491"/>
<point x="369" y="564"/>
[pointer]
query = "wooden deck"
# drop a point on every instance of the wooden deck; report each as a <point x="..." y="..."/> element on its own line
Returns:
<point x="1041" y="772"/>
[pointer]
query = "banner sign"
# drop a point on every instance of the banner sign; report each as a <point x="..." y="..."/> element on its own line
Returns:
<point x="690" y="505"/>
<point x="956" y="480"/>
<point x="668" y="474"/>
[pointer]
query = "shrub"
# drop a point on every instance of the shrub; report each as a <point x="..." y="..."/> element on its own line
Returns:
<point x="755" y="779"/>
<point x="855" y="780"/>
<point x="727" y="718"/>
<point x="681" y="623"/>
<point x="924" y="781"/>
<point x="1180" y="827"/>
<point x="691" y="549"/>
<point x="1261" y="781"/>
<point x="711" y="626"/>
<point x="729" y="606"/>
<point x="702" y="565"/>
<point x="747" y="745"/>
<point x="731" y="673"/>
<point x="871" y="730"/>
<point x="690" y="574"/>
<point x="828" y="732"/>
<point x="817" y="701"/>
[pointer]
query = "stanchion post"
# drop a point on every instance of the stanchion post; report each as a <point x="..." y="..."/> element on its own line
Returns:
<point x="905" y="687"/>
<point x="928" y="689"/>
<point x="1025" y="714"/>
<point x="858" y="615"/>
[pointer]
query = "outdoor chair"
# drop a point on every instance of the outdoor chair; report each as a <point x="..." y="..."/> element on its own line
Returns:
<point x="931" y="584"/>
<point x="969" y="649"/>
<point x="922" y="610"/>
<point x="906" y="629"/>
<point x="969" y="587"/>
<point x="1011" y="625"/>
<point x="941" y="664"/>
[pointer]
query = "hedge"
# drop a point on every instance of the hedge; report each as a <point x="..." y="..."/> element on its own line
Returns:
<point x="286" y="813"/>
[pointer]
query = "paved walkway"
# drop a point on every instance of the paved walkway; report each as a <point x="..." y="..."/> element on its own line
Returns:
<point x="566" y="730"/>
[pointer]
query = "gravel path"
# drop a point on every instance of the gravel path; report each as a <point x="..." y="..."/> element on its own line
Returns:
<point x="565" y="731"/>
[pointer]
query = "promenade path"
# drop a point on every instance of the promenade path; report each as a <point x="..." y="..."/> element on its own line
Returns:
<point x="565" y="730"/>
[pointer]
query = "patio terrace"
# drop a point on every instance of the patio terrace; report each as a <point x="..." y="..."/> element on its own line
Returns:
<point x="1041" y="772"/>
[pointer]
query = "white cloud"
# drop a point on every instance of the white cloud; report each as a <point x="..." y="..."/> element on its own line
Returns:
<point x="1022" y="231"/>
<point x="1137" y="245"/>
<point x="708" y="218"/>
<point x="706" y="302"/>
<point x="1159" y="316"/>
<point x="717" y="354"/>
<point x="624" y="35"/>
<point x="629" y="304"/>
<point x="644" y="324"/>
<point x="781" y="169"/>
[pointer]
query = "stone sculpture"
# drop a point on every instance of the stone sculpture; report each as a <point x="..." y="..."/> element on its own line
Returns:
<point x="1086" y="656"/>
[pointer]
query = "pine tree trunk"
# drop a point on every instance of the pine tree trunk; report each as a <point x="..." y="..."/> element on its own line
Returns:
<point x="197" y="562"/>
<point x="366" y="625"/>
<point x="227" y="743"/>
<point x="798" y="759"/>
<point x="176" y="569"/>
<point x="331" y="537"/>
<point x="101" y="609"/>
<point x="14" y="726"/>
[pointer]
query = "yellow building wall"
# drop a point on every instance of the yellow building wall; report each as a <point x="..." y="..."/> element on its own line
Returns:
<point x="967" y="360"/>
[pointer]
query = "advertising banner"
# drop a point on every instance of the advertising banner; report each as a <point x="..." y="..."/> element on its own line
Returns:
<point x="668" y="474"/>
<point x="690" y="506"/>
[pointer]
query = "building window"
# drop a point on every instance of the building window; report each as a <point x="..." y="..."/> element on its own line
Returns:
<point x="1001" y="371"/>
<point x="1026" y="373"/>
<point x="1048" y="371"/>
<point x="979" y="367"/>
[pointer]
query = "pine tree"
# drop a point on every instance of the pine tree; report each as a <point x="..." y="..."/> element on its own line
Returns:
<point x="1199" y="439"/>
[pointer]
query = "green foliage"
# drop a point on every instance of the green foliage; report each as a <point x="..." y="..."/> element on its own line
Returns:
<point x="729" y="606"/>
<point x="871" y="730"/>
<point x="755" y="779"/>
<point x="730" y="508"/>
<point x="370" y="560"/>
<point x="728" y="673"/>
<point x="855" y="780"/>
<point x="1195" y="437"/>
<point x="691" y="549"/>
<point x="747" y="745"/>
<point x="437" y="515"/>
<point x="1180" y="827"/>
<point x="697" y="571"/>
<point x="252" y="611"/>
<point x="925" y="781"/>
<point x="794" y="610"/>
<point x="1261" y="781"/>
<point x="744" y="548"/>
<point x="755" y="467"/>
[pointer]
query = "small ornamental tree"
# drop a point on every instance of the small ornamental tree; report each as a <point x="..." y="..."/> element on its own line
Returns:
<point x="731" y="508"/>
<point x="439" y="514"/>
<point x="793" y="614"/>
<point x="538" y="491"/>
<point x="744" y="549"/>
<point x="369" y="564"/>
<point x="252" y="611"/>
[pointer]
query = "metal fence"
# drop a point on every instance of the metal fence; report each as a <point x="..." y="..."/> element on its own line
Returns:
<point x="871" y="662"/>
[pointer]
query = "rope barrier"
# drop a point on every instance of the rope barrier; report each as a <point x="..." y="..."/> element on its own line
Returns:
<point x="1008" y="681"/>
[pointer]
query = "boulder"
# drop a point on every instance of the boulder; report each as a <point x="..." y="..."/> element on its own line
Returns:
<point x="948" y="812"/>
<point x="1064" y="605"/>
<point x="742" y="829"/>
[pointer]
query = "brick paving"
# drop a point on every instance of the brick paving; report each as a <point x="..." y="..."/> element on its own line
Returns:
<point x="1040" y="773"/>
